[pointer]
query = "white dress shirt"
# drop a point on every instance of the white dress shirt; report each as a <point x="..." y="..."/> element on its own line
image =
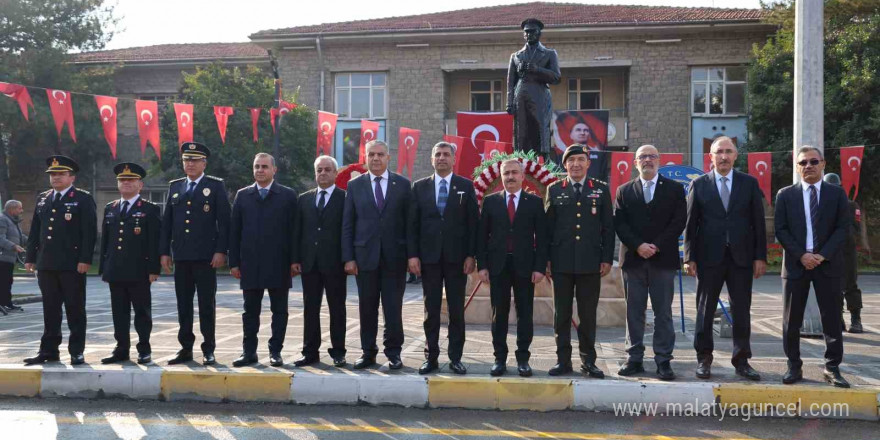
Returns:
<point x="188" y="180"/>
<point x="806" y="193"/>
<point x="256" y="184"/>
<point x="63" y="192"/>
<point x="437" y="180"/>
<point x="383" y="183"/>
<point x="130" y="202"/>
<point x="515" y="199"/>
<point x="329" y="191"/>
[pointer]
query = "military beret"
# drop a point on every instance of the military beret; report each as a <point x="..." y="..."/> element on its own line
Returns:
<point x="129" y="170"/>
<point x="59" y="164"/>
<point x="574" y="149"/>
<point x="533" y="21"/>
<point x="194" y="150"/>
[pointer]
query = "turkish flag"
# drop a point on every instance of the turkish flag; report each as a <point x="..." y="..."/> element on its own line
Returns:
<point x="107" y="111"/>
<point x="671" y="159"/>
<point x="20" y="94"/>
<point x="285" y="106"/>
<point x="474" y="127"/>
<point x="184" y="122"/>
<point x="707" y="162"/>
<point x="759" y="167"/>
<point x="273" y="115"/>
<point x="326" y="131"/>
<point x="851" y="168"/>
<point x="369" y="132"/>
<point x="407" y="144"/>
<point x="148" y="124"/>
<point x="62" y="111"/>
<point x="621" y="171"/>
<point x="222" y="114"/>
<point x="490" y="148"/>
<point x="255" y="118"/>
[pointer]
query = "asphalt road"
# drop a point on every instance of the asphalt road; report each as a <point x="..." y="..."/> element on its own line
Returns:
<point x="34" y="419"/>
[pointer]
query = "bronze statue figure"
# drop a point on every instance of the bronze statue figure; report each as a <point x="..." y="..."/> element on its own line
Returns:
<point x="532" y="69"/>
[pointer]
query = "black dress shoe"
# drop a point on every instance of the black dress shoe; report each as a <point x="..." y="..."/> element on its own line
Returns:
<point x="560" y="369"/>
<point x="41" y="358"/>
<point x="182" y="356"/>
<point x="395" y="363"/>
<point x="244" y="359"/>
<point x="664" y="371"/>
<point x="631" y="369"/>
<point x="855" y="325"/>
<point x="745" y="370"/>
<point x="13" y="308"/>
<point x="428" y="366"/>
<point x="209" y="359"/>
<point x="144" y="358"/>
<point x="457" y="367"/>
<point x="339" y="362"/>
<point x="592" y="370"/>
<point x="704" y="370"/>
<point x="498" y="368"/>
<point x="77" y="359"/>
<point x="524" y="369"/>
<point x="276" y="360"/>
<point x="115" y="357"/>
<point x="793" y="375"/>
<point x="364" y="362"/>
<point x="832" y="376"/>
<point x="305" y="360"/>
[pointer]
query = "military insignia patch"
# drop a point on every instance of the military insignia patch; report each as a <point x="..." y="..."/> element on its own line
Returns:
<point x="176" y="195"/>
<point x="206" y="192"/>
<point x="68" y="216"/>
<point x="207" y="207"/>
<point x="137" y="230"/>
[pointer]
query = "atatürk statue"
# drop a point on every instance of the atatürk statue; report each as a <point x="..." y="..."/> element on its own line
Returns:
<point x="532" y="69"/>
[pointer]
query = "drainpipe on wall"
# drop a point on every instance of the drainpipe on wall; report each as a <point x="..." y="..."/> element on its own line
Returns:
<point x="321" y="64"/>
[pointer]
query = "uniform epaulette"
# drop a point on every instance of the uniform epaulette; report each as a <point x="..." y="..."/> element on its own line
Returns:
<point x="597" y="180"/>
<point x="46" y="193"/>
<point x="213" y="177"/>
<point x="177" y="180"/>
<point x="83" y="191"/>
<point x="112" y="202"/>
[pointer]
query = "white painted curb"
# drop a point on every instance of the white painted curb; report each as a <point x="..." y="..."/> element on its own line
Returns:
<point x="593" y="395"/>
<point x="310" y="388"/>
<point x="397" y="390"/>
<point x="131" y="383"/>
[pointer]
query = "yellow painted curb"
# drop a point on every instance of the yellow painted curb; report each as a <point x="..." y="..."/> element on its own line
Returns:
<point x="201" y="385"/>
<point x="263" y="387"/>
<point x="529" y="394"/>
<point x="446" y="392"/>
<point x="21" y="382"/>
<point x="802" y="401"/>
<point x="221" y="386"/>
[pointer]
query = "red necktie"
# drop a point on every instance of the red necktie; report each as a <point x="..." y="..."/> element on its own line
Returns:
<point x="511" y="213"/>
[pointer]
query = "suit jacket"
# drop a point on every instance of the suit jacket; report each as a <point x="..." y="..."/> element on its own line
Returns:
<point x="580" y="230"/>
<point x="660" y="222"/>
<point x="319" y="233"/>
<point x="261" y="238"/>
<point x="130" y="242"/>
<point x="709" y="226"/>
<point x="63" y="233"/>
<point x="791" y="229"/>
<point x="451" y="234"/>
<point x="367" y="233"/>
<point x="195" y="228"/>
<point x="528" y="232"/>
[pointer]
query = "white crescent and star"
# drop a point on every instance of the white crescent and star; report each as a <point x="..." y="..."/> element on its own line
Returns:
<point x="185" y="118"/>
<point x="146" y="122"/>
<point x="62" y="98"/>
<point x="283" y="110"/>
<point x="409" y="141"/>
<point x="106" y="107"/>
<point x="625" y="166"/>
<point x="758" y="167"/>
<point x="327" y="130"/>
<point x="858" y="162"/>
<point x="369" y="134"/>
<point x="484" y="128"/>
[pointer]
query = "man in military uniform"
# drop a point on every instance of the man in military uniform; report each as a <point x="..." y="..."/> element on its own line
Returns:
<point x="851" y="292"/>
<point x="130" y="261"/>
<point x="195" y="232"/>
<point x="581" y="224"/>
<point x="59" y="248"/>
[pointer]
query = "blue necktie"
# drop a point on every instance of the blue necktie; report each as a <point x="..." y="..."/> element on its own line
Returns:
<point x="189" y="191"/>
<point x="442" y="197"/>
<point x="263" y="192"/>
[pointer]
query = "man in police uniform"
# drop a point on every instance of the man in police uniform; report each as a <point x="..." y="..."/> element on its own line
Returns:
<point x="850" y="286"/>
<point x="195" y="231"/>
<point x="130" y="261"/>
<point x="59" y="248"/>
<point x="581" y="224"/>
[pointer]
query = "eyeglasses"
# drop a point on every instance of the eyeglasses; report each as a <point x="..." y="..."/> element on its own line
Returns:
<point x="812" y="162"/>
<point x="644" y="157"/>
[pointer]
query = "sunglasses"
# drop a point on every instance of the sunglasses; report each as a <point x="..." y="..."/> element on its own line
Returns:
<point x="806" y="162"/>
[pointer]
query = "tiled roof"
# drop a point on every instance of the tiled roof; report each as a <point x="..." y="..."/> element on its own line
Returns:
<point x="552" y="14"/>
<point x="174" y="52"/>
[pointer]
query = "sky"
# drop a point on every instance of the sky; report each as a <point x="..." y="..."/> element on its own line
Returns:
<point x="146" y="23"/>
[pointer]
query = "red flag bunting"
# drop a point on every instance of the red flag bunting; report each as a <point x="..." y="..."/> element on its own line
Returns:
<point x="707" y="162"/>
<point x="459" y="142"/>
<point x="671" y="159"/>
<point x="184" y="122"/>
<point x="285" y="107"/>
<point x="255" y="118"/>
<point x="491" y="148"/>
<point x="851" y="168"/>
<point x="222" y="114"/>
<point x="760" y="168"/>
<point x="107" y="112"/>
<point x="474" y="127"/>
<point x="148" y="124"/>
<point x="62" y="111"/>
<point x="326" y="131"/>
<point x="20" y="94"/>
<point x="273" y="115"/>
<point x="407" y="144"/>
<point x="369" y="132"/>
<point x="621" y="170"/>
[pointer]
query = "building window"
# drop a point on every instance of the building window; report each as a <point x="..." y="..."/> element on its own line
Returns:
<point x="718" y="90"/>
<point x="487" y="96"/>
<point x="361" y="95"/>
<point x="161" y="100"/>
<point x="157" y="197"/>
<point x="584" y="94"/>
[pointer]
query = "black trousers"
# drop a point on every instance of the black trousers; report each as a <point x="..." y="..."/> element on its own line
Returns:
<point x="386" y="284"/>
<point x="851" y="292"/>
<point x="63" y="288"/>
<point x="710" y="280"/>
<point x="795" y="302"/>
<point x="125" y="296"/>
<point x="250" y="319"/>
<point x="190" y="276"/>
<point x="584" y="287"/>
<point x="434" y="277"/>
<point x="524" y="298"/>
<point x="315" y="284"/>
<point x="6" y="283"/>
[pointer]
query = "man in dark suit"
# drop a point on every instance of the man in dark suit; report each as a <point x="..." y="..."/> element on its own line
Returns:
<point x="650" y="213"/>
<point x="374" y="250"/>
<point x="512" y="252"/>
<point x="195" y="231"/>
<point x="130" y="261"/>
<point x="319" y="259"/>
<point x="725" y="243"/>
<point x="59" y="248"/>
<point x="581" y="236"/>
<point x="261" y="255"/>
<point x="811" y="219"/>
<point x="441" y="237"/>
<point x="852" y="295"/>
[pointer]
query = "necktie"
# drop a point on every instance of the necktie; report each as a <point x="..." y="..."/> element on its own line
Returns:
<point x="649" y="191"/>
<point x="124" y="208"/>
<point x="725" y="193"/>
<point x="263" y="192"/>
<point x="814" y="216"/>
<point x="380" y="198"/>
<point x="322" y="201"/>
<point x="442" y="197"/>
<point x="57" y="197"/>
<point x="189" y="191"/>
<point x="511" y="213"/>
<point x="577" y="190"/>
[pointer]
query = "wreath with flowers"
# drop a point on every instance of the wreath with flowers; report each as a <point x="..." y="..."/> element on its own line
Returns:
<point x="349" y="172"/>
<point x="538" y="174"/>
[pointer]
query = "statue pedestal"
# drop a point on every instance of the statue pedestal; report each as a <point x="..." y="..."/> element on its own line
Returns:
<point x="610" y="313"/>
